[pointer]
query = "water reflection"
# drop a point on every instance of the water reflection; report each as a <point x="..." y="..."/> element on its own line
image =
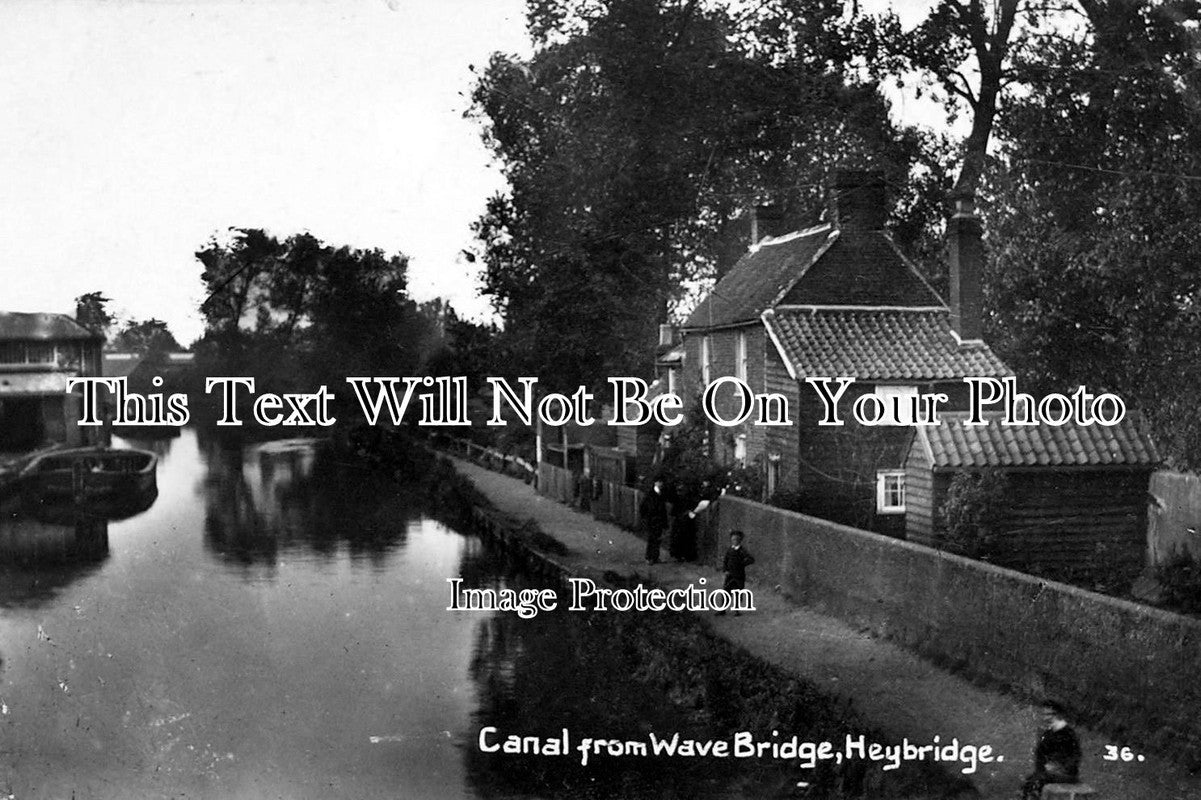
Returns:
<point x="147" y="657"/>
<point x="38" y="557"/>
<point x="267" y="500"/>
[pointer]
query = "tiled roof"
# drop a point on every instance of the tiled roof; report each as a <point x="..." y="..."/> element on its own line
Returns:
<point x="15" y="325"/>
<point x="952" y="445"/>
<point x="878" y="344"/>
<point x="861" y="268"/>
<point x="818" y="266"/>
<point x="759" y="277"/>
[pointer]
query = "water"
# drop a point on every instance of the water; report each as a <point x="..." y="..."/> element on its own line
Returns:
<point x="232" y="641"/>
<point x="271" y="628"/>
<point x="275" y="626"/>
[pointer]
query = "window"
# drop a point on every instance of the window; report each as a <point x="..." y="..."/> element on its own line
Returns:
<point x="740" y="449"/>
<point x="898" y="404"/>
<point x="890" y="492"/>
<point x="706" y="366"/>
<point x="672" y="382"/>
<point x="773" y="473"/>
<point x="740" y="356"/>
<point x="39" y="353"/>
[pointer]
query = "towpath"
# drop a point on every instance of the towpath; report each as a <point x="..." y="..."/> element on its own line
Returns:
<point x="892" y="689"/>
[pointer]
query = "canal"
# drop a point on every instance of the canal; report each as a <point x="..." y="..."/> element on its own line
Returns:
<point x="274" y="626"/>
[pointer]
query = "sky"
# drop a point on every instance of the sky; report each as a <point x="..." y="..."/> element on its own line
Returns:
<point x="132" y="132"/>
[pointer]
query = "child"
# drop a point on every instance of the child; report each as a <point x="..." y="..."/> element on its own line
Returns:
<point x="734" y="565"/>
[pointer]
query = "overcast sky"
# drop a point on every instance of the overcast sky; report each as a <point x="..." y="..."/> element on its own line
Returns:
<point x="131" y="132"/>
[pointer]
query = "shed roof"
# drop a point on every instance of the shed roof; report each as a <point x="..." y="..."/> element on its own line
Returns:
<point x="41" y="326"/>
<point x="877" y="344"/>
<point x="953" y="445"/>
<point x="120" y="365"/>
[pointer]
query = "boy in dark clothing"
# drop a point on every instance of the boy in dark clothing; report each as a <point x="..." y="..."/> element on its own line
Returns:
<point x="734" y="564"/>
<point x="654" y="513"/>
<point x="1056" y="756"/>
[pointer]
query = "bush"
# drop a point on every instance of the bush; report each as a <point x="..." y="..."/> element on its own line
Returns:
<point x="1180" y="580"/>
<point x="972" y="510"/>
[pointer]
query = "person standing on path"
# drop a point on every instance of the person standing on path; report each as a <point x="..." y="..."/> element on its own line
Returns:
<point x="654" y="514"/>
<point x="734" y="564"/>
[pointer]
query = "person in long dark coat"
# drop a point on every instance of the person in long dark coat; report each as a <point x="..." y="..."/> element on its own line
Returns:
<point x="682" y="544"/>
<point x="655" y="515"/>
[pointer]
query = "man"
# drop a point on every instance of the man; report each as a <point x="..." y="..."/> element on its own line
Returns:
<point x="1057" y="754"/>
<point x="654" y="514"/>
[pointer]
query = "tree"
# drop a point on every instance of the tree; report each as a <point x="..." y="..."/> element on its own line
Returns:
<point x="632" y="141"/>
<point x="964" y="46"/>
<point x="148" y="337"/>
<point x="1095" y="275"/>
<point x="299" y="313"/>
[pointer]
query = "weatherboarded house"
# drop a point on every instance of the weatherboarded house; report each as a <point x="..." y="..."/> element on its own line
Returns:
<point x="838" y="300"/>
<point x="1076" y="495"/>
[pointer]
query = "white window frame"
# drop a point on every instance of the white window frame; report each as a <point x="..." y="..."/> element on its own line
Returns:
<point x="773" y="473"/>
<point x="740" y="361"/>
<point x="740" y="449"/>
<point x="886" y="393"/>
<point x="706" y="361"/>
<point x="887" y="495"/>
<point x="672" y="381"/>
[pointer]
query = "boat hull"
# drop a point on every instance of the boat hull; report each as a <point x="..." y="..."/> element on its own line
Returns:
<point x="91" y="476"/>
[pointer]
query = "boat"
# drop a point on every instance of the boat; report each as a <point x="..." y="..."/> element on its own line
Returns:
<point x="92" y="476"/>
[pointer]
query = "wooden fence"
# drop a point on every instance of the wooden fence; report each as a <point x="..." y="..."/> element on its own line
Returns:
<point x="556" y="483"/>
<point x="615" y="503"/>
<point x="488" y="457"/>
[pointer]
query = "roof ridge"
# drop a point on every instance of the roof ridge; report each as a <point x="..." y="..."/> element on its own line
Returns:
<point x="767" y="241"/>
<point x="861" y="309"/>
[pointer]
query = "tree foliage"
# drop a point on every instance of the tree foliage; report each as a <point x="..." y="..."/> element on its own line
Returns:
<point x="147" y="337"/>
<point x="633" y="140"/>
<point x="1095" y="276"/>
<point x="299" y="312"/>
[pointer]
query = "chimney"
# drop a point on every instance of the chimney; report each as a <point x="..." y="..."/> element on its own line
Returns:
<point x="965" y="249"/>
<point x="767" y="220"/>
<point x="858" y="201"/>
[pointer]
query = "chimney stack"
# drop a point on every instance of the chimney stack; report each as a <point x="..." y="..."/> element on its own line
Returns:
<point x="858" y="200"/>
<point x="965" y="248"/>
<point x="767" y="220"/>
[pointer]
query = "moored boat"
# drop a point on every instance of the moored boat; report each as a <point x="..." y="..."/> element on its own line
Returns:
<point x="91" y="475"/>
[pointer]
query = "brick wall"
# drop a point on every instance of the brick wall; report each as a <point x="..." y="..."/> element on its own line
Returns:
<point x="1121" y="666"/>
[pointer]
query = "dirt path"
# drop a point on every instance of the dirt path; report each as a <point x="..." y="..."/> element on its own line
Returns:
<point x="891" y="688"/>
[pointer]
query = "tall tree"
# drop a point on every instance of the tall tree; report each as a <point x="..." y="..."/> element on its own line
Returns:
<point x="299" y="312"/>
<point x="1096" y="270"/>
<point x="631" y="140"/>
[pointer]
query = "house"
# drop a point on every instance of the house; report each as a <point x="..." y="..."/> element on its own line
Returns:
<point x="1075" y="495"/>
<point x="39" y="353"/>
<point x="838" y="300"/>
